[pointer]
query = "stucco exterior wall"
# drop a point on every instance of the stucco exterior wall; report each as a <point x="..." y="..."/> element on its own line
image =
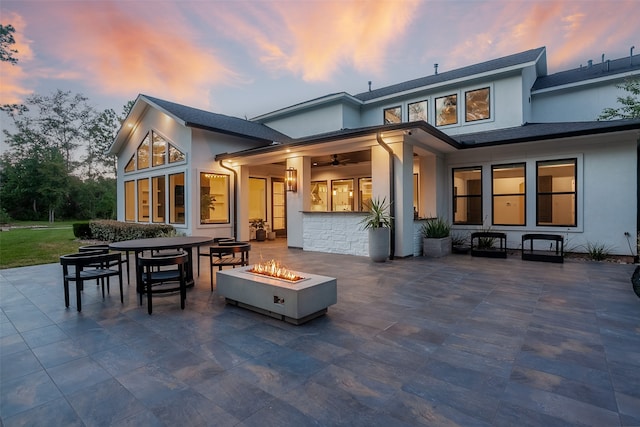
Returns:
<point x="606" y="189"/>
<point x="325" y="118"/>
<point x="583" y="103"/>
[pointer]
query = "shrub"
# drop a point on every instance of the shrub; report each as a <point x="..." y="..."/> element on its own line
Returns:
<point x="116" y="231"/>
<point x="435" y="228"/>
<point x="5" y="218"/>
<point x="597" y="251"/>
<point x="82" y="230"/>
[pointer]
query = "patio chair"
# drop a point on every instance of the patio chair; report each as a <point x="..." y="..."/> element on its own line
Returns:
<point x="152" y="279"/>
<point x="104" y="248"/>
<point x="234" y="254"/>
<point x="203" y="251"/>
<point x="90" y="266"/>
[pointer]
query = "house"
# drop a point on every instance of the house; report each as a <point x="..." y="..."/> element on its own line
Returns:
<point x="499" y="144"/>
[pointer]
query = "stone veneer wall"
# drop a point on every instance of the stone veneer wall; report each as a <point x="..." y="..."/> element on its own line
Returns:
<point x="335" y="232"/>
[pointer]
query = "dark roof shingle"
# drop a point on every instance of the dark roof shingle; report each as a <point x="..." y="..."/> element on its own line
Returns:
<point x="202" y="119"/>
<point x="542" y="131"/>
<point x="483" y="67"/>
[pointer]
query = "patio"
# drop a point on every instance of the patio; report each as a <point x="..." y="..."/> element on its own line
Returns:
<point x="451" y="341"/>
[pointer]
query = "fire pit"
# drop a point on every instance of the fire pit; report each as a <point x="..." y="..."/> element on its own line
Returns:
<point x="272" y="290"/>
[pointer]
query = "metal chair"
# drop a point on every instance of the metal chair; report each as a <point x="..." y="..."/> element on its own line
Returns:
<point x="104" y="248"/>
<point x="152" y="278"/>
<point x="90" y="266"/>
<point x="225" y="255"/>
<point x="216" y="241"/>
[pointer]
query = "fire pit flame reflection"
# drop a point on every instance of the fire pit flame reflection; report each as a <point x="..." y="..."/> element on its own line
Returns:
<point x="274" y="269"/>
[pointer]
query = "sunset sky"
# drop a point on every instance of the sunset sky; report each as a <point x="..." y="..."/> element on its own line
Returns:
<point x="249" y="57"/>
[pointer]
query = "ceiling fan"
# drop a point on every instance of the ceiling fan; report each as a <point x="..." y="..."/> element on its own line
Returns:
<point x="334" y="161"/>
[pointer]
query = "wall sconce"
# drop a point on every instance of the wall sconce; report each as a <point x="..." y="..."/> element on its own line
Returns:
<point x="291" y="179"/>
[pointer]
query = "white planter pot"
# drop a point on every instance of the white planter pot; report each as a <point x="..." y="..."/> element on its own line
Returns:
<point x="436" y="248"/>
<point x="379" y="244"/>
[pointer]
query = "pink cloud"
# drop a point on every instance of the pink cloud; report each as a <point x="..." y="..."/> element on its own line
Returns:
<point x="14" y="85"/>
<point x="314" y="40"/>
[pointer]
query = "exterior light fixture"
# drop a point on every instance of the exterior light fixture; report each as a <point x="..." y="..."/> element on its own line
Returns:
<point x="291" y="179"/>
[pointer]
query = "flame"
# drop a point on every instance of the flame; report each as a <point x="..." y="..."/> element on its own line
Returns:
<point x="274" y="269"/>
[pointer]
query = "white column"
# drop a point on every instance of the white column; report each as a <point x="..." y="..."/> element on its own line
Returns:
<point x="299" y="201"/>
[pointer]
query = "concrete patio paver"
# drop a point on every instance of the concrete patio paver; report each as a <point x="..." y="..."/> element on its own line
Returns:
<point x="451" y="341"/>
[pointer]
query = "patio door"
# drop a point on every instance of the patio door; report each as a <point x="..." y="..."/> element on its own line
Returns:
<point x="278" y="207"/>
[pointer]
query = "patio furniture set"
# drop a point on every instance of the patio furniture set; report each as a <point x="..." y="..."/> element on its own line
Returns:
<point x="165" y="265"/>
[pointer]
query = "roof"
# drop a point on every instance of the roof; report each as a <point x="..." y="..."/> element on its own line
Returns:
<point x="603" y="69"/>
<point x="483" y="67"/>
<point x="214" y="122"/>
<point x="544" y="131"/>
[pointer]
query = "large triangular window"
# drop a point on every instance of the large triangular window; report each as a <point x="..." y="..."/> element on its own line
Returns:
<point x="154" y="150"/>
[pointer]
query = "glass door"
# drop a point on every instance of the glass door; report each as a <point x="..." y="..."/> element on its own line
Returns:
<point x="278" y="207"/>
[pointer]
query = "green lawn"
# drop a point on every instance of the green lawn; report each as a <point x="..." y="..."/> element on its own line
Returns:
<point x="36" y="243"/>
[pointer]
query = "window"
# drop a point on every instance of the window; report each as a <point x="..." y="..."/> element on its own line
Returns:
<point x="364" y="185"/>
<point x="131" y="164"/>
<point x="392" y="115"/>
<point x="447" y="110"/>
<point x="214" y="198"/>
<point x="143" y="200"/>
<point x="416" y="195"/>
<point x="159" y="148"/>
<point x="476" y="105"/>
<point x="158" y="192"/>
<point x="319" y="196"/>
<point x="417" y="111"/>
<point x="176" y="198"/>
<point x="556" y="193"/>
<point x="156" y="150"/>
<point x="257" y="198"/>
<point x="143" y="153"/>
<point x="129" y="201"/>
<point x="467" y="195"/>
<point x="508" y="187"/>
<point x="342" y="195"/>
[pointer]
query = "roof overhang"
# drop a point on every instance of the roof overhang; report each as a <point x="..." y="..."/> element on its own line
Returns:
<point x="419" y="134"/>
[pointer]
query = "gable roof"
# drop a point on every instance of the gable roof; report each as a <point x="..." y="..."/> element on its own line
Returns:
<point x="605" y="69"/>
<point x="521" y="58"/>
<point x="544" y="131"/>
<point x="201" y="119"/>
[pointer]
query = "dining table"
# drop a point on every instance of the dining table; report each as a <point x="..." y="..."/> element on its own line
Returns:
<point x="186" y="243"/>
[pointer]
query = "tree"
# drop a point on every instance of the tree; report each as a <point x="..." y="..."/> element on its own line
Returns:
<point x="630" y="104"/>
<point x="6" y="41"/>
<point x="58" y="121"/>
<point x="101" y="132"/>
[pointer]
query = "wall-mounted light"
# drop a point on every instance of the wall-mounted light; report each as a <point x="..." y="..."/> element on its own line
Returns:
<point x="291" y="179"/>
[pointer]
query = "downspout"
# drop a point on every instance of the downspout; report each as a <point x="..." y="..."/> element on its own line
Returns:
<point x="235" y="198"/>
<point x="392" y="195"/>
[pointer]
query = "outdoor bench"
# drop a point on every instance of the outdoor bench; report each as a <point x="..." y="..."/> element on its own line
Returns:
<point x="538" y="252"/>
<point x="483" y="243"/>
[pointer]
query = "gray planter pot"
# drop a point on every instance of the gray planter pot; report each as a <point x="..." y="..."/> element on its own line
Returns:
<point x="436" y="248"/>
<point x="379" y="244"/>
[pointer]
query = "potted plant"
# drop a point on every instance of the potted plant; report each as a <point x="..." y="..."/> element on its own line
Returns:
<point x="460" y="244"/>
<point x="436" y="238"/>
<point x="258" y="225"/>
<point x="378" y="222"/>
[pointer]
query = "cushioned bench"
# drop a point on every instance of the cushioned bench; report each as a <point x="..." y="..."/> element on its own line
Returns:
<point x="534" y="247"/>
<point x="483" y="243"/>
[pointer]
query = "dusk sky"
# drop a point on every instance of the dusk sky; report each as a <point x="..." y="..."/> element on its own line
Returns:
<point x="249" y="57"/>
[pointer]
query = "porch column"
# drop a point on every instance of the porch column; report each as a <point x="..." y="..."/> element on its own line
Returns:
<point x="242" y="215"/>
<point x="299" y="201"/>
<point x="403" y="176"/>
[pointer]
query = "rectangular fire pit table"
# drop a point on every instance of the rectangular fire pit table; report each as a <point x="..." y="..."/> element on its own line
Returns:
<point x="293" y="302"/>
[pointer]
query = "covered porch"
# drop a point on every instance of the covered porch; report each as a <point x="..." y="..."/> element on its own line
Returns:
<point x="328" y="180"/>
